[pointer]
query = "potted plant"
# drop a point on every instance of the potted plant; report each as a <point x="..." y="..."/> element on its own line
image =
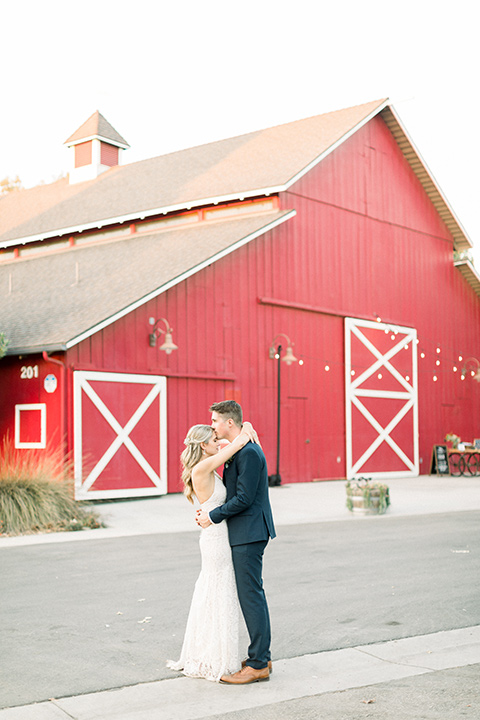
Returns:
<point x="452" y="438"/>
<point x="367" y="497"/>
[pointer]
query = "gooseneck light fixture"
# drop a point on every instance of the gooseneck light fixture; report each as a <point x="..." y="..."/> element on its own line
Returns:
<point x="168" y="345"/>
<point x="274" y="353"/>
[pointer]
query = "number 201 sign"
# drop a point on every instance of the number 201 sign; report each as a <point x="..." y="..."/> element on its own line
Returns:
<point x="27" y="372"/>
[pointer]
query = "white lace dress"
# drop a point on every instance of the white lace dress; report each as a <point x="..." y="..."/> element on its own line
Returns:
<point x="211" y="644"/>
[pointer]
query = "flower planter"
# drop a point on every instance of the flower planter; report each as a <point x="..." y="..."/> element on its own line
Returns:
<point x="365" y="497"/>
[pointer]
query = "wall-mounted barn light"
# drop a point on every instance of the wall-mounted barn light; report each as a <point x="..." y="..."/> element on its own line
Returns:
<point x="168" y="345"/>
<point x="275" y="348"/>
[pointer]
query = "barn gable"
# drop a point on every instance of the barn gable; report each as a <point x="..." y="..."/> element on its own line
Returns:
<point x="366" y="175"/>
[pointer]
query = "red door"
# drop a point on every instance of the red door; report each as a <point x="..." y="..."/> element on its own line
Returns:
<point x="119" y="435"/>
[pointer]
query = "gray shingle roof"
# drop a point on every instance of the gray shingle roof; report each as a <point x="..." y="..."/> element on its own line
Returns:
<point x="238" y="167"/>
<point x="49" y="301"/>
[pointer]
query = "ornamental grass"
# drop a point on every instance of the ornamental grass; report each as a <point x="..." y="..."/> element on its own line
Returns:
<point x="37" y="493"/>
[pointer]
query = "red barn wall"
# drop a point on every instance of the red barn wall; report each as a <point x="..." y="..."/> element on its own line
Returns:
<point x="30" y="380"/>
<point x="366" y="239"/>
<point x="384" y="249"/>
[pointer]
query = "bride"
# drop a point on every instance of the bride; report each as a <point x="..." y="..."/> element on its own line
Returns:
<point x="211" y="644"/>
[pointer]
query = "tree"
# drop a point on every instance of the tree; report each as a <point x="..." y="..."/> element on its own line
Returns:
<point x="9" y="184"/>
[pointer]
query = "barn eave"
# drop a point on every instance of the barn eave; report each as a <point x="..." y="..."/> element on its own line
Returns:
<point x="430" y="185"/>
<point x="469" y="273"/>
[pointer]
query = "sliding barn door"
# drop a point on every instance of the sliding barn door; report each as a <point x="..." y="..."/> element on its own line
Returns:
<point x="381" y="399"/>
<point x="120" y="443"/>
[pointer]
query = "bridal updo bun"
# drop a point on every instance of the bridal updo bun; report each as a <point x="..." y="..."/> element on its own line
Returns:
<point x="192" y="454"/>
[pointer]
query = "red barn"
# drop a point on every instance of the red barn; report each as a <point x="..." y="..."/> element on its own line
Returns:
<point x="134" y="296"/>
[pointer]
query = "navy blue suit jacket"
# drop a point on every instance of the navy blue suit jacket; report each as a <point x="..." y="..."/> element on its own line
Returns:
<point x="247" y="506"/>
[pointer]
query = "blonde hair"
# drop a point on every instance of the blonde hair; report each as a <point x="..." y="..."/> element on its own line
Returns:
<point x="193" y="454"/>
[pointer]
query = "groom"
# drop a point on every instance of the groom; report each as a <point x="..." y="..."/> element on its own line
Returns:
<point x="250" y="524"/>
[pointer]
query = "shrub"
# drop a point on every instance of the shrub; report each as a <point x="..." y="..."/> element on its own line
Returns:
<point x="3" y="344"/>
<point x="36" y="493"/>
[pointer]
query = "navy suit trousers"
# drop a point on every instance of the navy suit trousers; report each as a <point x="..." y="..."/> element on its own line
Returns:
<point x="247" y="563"/>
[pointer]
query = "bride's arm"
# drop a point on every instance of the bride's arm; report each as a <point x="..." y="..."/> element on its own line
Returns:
<point x="202" y="478"/>
<point x="206" y="466"/>
<point x="248" y="434"/>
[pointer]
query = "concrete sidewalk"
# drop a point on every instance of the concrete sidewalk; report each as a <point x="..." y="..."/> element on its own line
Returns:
<point x="437" y="672"/>
<point x="296" y="681"/>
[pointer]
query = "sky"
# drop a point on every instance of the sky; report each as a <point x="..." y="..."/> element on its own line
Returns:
<point x="171" y="75"/>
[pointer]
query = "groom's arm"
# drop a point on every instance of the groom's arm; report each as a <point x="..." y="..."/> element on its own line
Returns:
<point x="249" y="464"/>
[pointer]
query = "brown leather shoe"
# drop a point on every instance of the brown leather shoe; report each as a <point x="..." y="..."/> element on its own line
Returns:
<point x="270" y="666"/>
<point x="246" y="675"/>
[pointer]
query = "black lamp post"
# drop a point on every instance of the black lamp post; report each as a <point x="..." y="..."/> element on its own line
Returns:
<point x="288" y="359"/>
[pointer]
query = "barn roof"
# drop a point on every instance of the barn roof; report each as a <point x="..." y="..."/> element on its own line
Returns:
<point x="47" y="303"/>
<point x="255" y="164"/>
<point x="53" y="301"/>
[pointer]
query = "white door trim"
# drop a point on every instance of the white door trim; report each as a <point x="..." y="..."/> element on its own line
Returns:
<point x="354" y="391"/>
<point x="42" y="442"/>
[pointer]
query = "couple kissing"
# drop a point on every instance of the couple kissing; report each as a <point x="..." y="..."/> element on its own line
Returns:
<point x="236" y="524"/>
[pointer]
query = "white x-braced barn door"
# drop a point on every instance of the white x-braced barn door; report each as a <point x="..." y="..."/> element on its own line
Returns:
<point x="120" y="444"/>
<point x="381" y="399"/>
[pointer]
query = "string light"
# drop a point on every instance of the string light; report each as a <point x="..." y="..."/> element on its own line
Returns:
<point x="454" y="367"/>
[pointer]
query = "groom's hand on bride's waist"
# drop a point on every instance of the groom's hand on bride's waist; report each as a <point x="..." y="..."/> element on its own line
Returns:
<point x="203" y="519"/>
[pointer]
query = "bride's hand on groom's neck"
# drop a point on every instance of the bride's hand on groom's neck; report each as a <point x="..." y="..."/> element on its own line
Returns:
<point x="250" y="432"/>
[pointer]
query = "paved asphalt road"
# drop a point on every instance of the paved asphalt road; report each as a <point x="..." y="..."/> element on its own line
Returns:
<point x="87" y="616"/>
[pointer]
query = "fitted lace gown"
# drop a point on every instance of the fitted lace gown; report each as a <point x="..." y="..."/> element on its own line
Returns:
<point x="211" y="644"/>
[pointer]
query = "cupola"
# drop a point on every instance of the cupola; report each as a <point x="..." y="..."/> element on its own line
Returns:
<point x="96" y="146"/>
